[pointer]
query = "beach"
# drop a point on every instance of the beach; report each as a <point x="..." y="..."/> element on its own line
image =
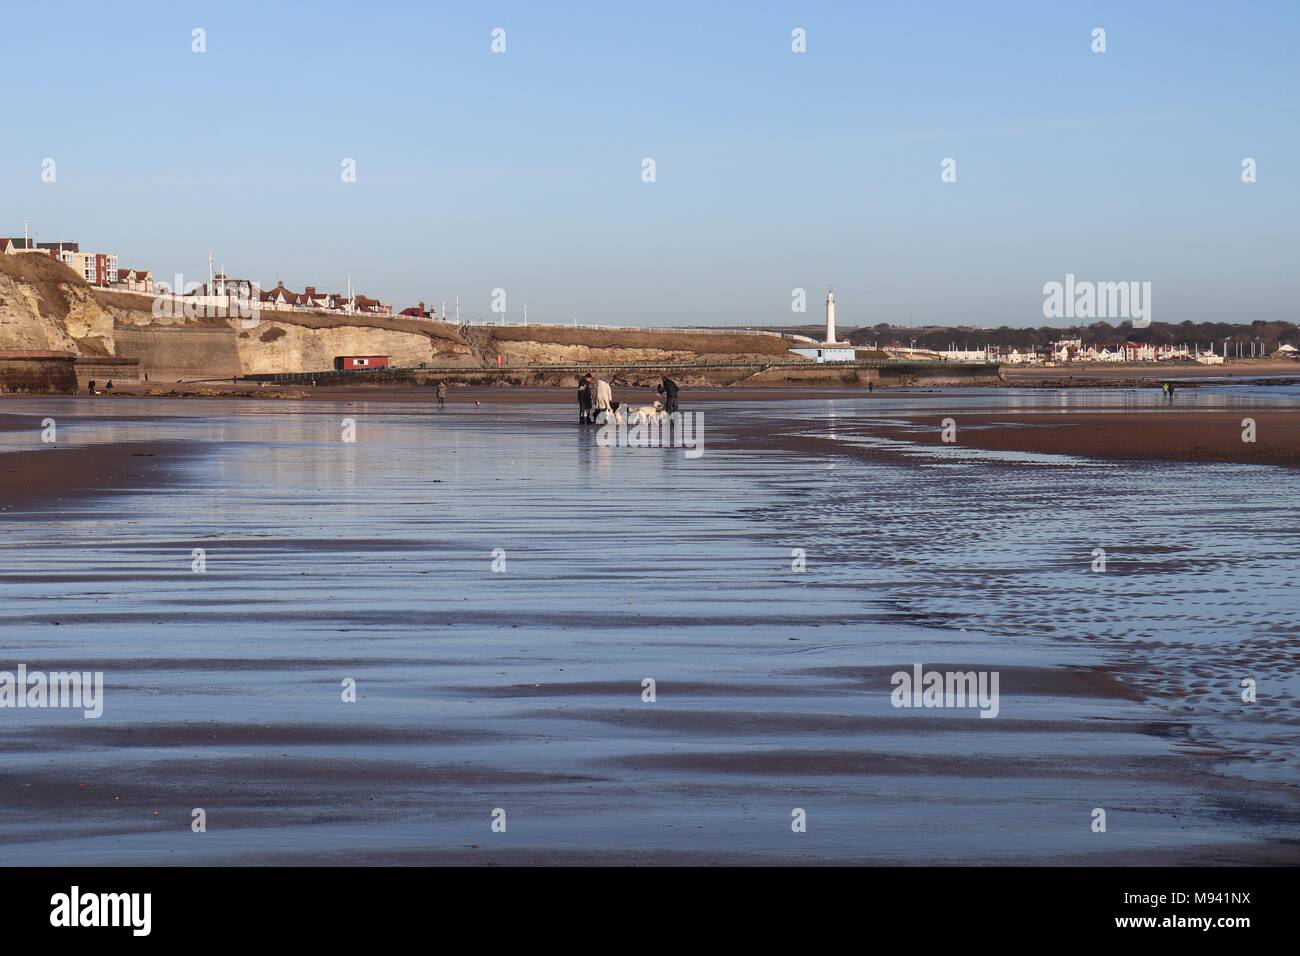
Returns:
<point x="499" y="587"/>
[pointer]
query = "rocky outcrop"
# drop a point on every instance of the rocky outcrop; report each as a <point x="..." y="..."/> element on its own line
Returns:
<point x="45" y="305"/>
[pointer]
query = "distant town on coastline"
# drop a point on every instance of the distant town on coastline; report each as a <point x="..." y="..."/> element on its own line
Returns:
<point x="101" y="269"/>
<point x="1098" y="342"/>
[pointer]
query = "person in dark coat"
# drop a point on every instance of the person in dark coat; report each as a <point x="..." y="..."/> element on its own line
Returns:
<point x="584" y="400"/>
<point x="668" y="389"/>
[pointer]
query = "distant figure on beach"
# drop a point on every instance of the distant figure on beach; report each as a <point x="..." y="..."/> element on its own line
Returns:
<point x="602" y="399"/>
<point x="871" y="387"/>
<point x="442" y="394"/>
<point x="668" y="389"/>
<point x="1171" y="391"/>
<point x="92" y="387"/>
<point x="109" y="386"/>
<point x="584" y="401"/>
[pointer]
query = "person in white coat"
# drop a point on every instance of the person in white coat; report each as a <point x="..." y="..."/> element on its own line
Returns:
<point x="602" y="399"/>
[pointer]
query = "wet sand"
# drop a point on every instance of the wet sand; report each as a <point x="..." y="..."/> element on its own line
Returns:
<point x="1174" y="435"/>
<point x="1091" y="375"/>
<point x="56" y="473"/>
<point x="523" y="690"/>
<point x="1187" y="436"/>
<point x="1275" y="373"/>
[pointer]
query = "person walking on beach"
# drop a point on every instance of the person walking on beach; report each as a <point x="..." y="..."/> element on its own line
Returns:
<point x="584" y="400"/>
<point x="92" y="387"/>
<point x="668" y="389"/>
<point x="442" y="394"/>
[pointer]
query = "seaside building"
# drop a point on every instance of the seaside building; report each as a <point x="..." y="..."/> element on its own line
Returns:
<point x="358" y="363"/>
<point x="11" y="246"/>
<point x="322" y="301"/>
<point x="1138" y="352"/>
<point x="420" y="312"/>
<point x="135" y="280"/>
<point x="1030" y="356"/>
<point x="97" y="268"/>
<point x="280" y="298"/>
<point x="58" y="249"/>
<point x="372" y="306"/>
<point x="223" y="291"/>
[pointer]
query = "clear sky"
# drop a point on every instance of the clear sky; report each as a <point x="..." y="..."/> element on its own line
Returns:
<point x="774" y="170"/>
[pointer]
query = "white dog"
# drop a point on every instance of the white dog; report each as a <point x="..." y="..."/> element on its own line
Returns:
<point x="647" y="412"/>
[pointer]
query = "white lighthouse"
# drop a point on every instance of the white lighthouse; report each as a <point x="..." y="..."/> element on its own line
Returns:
<point x="829" y="350"/>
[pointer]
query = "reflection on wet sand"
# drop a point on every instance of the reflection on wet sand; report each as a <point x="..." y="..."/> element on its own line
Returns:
<point x="372" y="561"/>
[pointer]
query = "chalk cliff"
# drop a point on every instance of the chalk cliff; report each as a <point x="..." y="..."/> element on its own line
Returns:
<point x="45" y="305"/>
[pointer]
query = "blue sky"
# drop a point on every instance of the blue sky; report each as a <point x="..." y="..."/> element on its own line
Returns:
<point x="775" y="170"/>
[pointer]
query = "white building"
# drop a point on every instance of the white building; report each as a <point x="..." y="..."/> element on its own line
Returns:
<point x="823" y="354"/>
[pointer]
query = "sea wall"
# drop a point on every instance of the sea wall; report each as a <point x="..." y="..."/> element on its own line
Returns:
<point x="181" y="353"/>
<point x="38" y="372"/>
<point x="940" y="373"/>
<point x="106" y="369"/>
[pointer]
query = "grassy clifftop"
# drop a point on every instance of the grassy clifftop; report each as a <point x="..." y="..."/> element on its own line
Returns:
<point x="701" y="343"/>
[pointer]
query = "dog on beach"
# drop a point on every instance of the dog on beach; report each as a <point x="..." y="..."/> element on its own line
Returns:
<point x="647" y="412"/>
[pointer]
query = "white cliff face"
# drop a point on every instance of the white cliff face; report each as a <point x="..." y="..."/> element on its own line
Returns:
<point x="284" y="347"/>
<point x="22" y="327"/>
<point x="45" y="306"/>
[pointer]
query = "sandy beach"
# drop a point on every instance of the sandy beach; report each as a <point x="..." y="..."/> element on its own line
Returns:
<point x="522" y="689"/>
